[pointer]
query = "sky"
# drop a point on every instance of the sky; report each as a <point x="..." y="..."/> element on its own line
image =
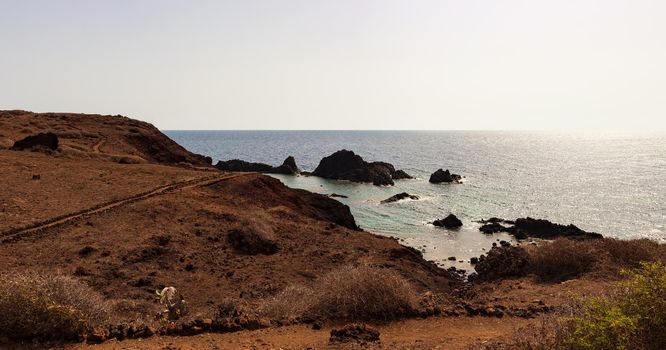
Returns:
<point x="340" y="64"/>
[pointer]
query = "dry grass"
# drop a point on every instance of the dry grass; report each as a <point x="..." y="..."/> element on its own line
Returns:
<point x="631" y="253"/>
<point x="133" y="310"/>
<point x="349" y="294"/>
<point x="46" y="307"/>
<point x="254" y="237"/>
<point x="562" y="259"/>
<point x="547" y="333"/>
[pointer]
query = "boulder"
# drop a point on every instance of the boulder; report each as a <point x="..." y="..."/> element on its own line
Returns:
<point x="440" y="176"/>
<point x="335" y="195"/>
<point x="354" y="332"/>
<point x="47" y="140"/>
<point x="288" y="167"/>
<point x="451" y="221"/>
<point x="399" y="196"/>
<point x="346" y="165"/>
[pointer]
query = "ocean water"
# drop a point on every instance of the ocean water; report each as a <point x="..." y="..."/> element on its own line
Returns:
<point x="610" y="183"/>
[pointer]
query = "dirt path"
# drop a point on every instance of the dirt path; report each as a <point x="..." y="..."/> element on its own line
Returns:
<point x="95" y="147"/>
<point x="39" y="227"/>
<point x="431" y="333"/>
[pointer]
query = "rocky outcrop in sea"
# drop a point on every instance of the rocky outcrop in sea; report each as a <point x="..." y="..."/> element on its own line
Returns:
<point x="346" y="165"/>
<point x="288" y="167"/>
<point x="399" y="196"/>
<point x="451" y="221"/>
<point x="523" y="228"/>
<point x="440" y="176"/>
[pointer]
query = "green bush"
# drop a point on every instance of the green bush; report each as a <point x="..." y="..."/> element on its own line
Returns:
<point x="633" y="318"/>
<point x="602" y="325"/>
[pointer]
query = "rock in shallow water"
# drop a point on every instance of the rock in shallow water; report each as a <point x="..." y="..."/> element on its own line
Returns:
<point x="440" y="176"/>
<point x="451" y="221"/>
<point x="346" y="165"/>
<point x="399" y="196"/>
<point x="523" y="228"/>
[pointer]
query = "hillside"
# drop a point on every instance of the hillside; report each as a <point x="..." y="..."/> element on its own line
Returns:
<point x="129" y="228"/>
<point x="103" y="137"/>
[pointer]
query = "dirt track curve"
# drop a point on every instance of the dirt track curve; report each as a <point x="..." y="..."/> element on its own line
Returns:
<point x="95" y="147"/>
<point x="36" y="228"/>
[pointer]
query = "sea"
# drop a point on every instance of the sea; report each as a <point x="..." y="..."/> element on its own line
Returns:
<point x="613" y="183"/>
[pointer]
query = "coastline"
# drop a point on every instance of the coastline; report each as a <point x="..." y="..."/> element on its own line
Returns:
<point x="126" y="218"/>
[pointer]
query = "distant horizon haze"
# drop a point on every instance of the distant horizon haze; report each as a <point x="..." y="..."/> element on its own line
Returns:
<point x="341" y="65"/>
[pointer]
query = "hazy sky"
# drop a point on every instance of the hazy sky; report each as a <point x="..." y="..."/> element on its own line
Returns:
<point x="340" y="64"/>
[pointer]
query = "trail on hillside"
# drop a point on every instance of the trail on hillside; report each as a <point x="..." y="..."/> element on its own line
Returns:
<point x="36" y="228"/>
<point x="95" y="147"/>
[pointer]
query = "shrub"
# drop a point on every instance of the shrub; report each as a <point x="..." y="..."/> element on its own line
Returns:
<point x="349" y="294"/>
<point x="643" y="296"/>
<point x="601" y="325"/>
<point x="253" y="237"/>
<point x="562" y="259"/>
<point x="630" y="253"/>
<point x="633" y="317"/>
<point x="47" y="307"/>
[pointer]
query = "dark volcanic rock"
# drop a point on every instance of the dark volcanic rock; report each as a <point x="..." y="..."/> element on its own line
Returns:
<point x="492" y="227"/>
<point x="502" y="262"/>
<point x="547" y="230"/>
<point x="451" y="221"/>
<point x="400" y="196"/>
<point x="401" y="174"/>
<point x="346" y="165"/>
<point x="241" y="165"/>
<point x="537" y="228"/>
<point x="335" y="195"/>
<point x="355" y="332"/>
<point x="288" y="167"/>
<point x="47" y="140"/>
<point x="444" y="176"/>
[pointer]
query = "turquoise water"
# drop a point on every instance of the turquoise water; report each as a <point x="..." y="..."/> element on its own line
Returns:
<point x="611" y="183"/>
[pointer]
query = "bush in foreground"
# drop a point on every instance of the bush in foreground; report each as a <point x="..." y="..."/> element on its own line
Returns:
<point x="45" y="307"/>
<point x="633" y="317"/>
<point x="351" y="293"/>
